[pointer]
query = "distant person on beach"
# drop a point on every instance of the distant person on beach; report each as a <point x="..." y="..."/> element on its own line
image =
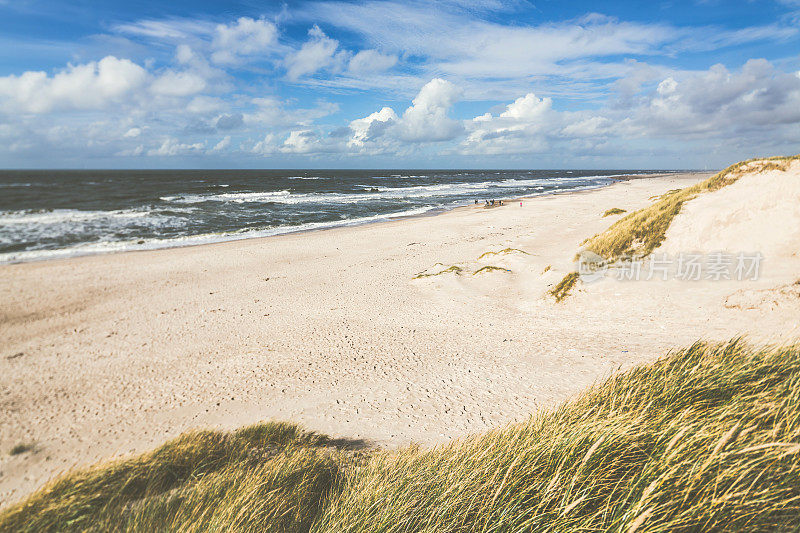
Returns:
<point x="492" y="202"/>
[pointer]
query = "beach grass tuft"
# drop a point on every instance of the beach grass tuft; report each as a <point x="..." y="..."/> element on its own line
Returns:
<point x="614" y="211"/>
<point x="455" y="269"/>
<point x="641" y="232"/>
<point x="490" y="268"/>
<point x="704" y="439"/>
<point x="22" y="447"/>
<point x="562" y="289"/>
<point x="504" y="251"/>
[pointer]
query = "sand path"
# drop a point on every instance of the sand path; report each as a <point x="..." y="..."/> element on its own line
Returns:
<point x="115" y="354"/>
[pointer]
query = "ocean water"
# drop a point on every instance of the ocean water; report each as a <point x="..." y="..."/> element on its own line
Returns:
<point x="47" y="214"/>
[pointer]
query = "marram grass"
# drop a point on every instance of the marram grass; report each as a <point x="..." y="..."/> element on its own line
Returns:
<point x="641" y="232"/>
<point x="637" y="234"/>
<point x="706" y="439"/>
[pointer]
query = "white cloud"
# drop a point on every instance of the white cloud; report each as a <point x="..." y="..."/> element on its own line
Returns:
<point x="247" y="37"/>
<point x="523" y="127"/>
<point x="371" y="61"/>
<point x="172" y="147"/>
<point x="93" y="85"/>
<point x="172" y="83"/>
<point x="426" y="119"/>
<point x="133" y="133"/>
<point x="363" y="128"/>
<point x="300" y="142"/>
<point x="224" y="143"/>
<point x="589" y="127"/>
<point x="266" y="146"/>
<point x="317" y="53"/>
<point x="719" y="101"/>
<point x="166" y="30"/>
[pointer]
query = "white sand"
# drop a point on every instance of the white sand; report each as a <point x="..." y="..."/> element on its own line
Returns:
<point x="121" y="352"/>
<point x="759" y="212"/>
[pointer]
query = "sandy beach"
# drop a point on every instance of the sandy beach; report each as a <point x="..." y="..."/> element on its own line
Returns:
<point x="114" y="354"/>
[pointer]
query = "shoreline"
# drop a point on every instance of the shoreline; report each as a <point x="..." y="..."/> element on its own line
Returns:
<point x="112" y="354"/>
<point x="207" y="239"/>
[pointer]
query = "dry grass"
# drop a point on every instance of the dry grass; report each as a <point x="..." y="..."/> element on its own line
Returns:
<point x="614" y="211"/>
<point x="490" y="268"/>
<point x="269" y="477"/>
<point x="455" y="269"/>
<point x="561" y="291"/>
<point x="639" y="233"/>
<point x="21" y="448"/>
<point x="504" y="251"/>
<point x="706" y="439"/>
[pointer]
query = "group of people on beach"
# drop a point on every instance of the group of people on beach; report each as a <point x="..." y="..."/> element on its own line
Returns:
<point x="491" y="203"/>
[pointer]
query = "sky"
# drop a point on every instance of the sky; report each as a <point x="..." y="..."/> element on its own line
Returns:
<point x="397" y="84"/>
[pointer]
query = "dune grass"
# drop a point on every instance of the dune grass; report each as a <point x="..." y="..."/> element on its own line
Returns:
<point x="490" y="268"/>
<point x="706" y="439"/>
<point x="271" y="477"/>
<point x="503" y="251"/>
<point x="614" y="211"/>
<point x="636" y="235"/>
<point x="22" y="447"/>
<point x="455" y="269"/>
<point x="563" y="287"/>
<point x="639" y="233"/>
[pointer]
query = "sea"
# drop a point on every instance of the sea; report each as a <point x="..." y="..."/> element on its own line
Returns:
<point x="47" y="214"/>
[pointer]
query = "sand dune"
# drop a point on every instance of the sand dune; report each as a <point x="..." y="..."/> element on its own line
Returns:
<point x="337" y="329"/>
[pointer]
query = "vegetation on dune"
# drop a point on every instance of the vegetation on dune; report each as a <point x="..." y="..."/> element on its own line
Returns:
<point x="561" y="290"/>
<point x="706" y="439"/>
<point x="21" y="448"/>
<point x="614" y="211"/>
<point x="490" y="268"/>
<point x="268" y="477"/>
<point x="504" y="251"/>
<point x="455" y="269"/>
<point x="639" y="233"/>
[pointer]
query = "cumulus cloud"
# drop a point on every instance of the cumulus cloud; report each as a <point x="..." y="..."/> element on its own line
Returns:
<point x="223" y="144"/>
<point x="301" y="142"/>
<point x="371" y="127"/>
<point x="247" y="37"/>
<point x="172" y="147"/>
<point x="229" y="122"/>
<point x="93" y="85"/>
<point x="521" y="128"/>
<point x="266" y="146"/>
<point x="426" y="119"/>
<point x="319" y="52"/>
<point x="175" y="83"/>
<point x="719" y="100"/>
<point x="371" y="61"/>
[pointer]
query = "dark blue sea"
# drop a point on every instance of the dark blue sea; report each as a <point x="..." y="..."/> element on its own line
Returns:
<point x="47" y="214"/>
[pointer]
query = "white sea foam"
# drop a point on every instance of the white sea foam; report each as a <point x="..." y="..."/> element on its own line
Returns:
<point x="383" y="193"/>
<point x="191" y="240"/>
<point x="60" y="216"/>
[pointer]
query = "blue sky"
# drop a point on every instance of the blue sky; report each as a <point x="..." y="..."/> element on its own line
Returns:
<point x="459" y="83"/>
